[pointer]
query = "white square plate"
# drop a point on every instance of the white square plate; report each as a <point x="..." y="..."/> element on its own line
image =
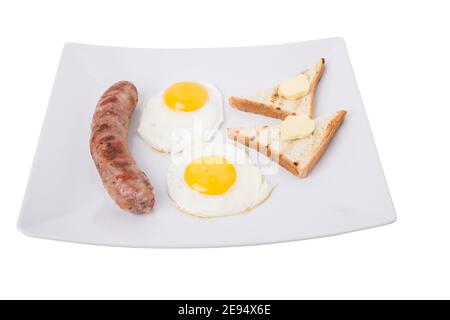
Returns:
<point x="65" y="199"/>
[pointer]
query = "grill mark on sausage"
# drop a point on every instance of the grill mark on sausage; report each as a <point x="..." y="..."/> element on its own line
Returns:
<point x="108" y="99"/>
<point x="106" y="139"/>
<point x="146" y="181"/>
<point x="120" y="164"/>
<point x="111" y="151"/>
<point x="107" y="112"/>
<point x="102" y="127"/>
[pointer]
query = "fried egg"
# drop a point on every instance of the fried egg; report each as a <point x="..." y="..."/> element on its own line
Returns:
<point x="184" y="109"/>
<point x="220" y="182"/>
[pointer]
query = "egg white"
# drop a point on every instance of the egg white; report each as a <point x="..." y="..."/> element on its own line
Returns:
<point x="248" y="191"/>
<point x="162" y="127"/>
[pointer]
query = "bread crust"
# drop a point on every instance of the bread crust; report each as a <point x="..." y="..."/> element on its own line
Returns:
<point x="265" y="109"/>
<point x="314" y="87"/>
<point x="289" y="165"/>
<point x="331" y="129"/>
<point x="265" y="150"/>
<point x="271" y="110"/>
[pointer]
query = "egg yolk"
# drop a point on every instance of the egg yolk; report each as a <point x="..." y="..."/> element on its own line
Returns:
<point x="210" y="175"/>
<point x="185" y="96"/>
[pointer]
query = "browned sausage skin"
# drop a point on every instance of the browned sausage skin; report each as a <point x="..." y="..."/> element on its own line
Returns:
<point x="128" y="186"/>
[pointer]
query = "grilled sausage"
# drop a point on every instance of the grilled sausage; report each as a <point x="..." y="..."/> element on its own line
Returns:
<point x="128" y="186"/>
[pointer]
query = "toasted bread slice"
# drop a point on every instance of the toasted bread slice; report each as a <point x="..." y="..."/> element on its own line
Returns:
<point x="297" y="156"/>
<point x="270" y="103"/>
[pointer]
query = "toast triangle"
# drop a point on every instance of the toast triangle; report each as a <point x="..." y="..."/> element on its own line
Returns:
<point x="269" y="103"/>
<point x="298" y="156"/>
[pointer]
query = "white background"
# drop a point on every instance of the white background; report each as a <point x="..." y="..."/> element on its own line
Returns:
<point x="400" y="52"/>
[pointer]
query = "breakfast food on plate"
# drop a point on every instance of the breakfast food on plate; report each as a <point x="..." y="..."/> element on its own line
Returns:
<point x="297" y="143"/>
<point x="221" y="179"/>
<point x="294" y="96"/>
<point x="128" y="186"/>
<point x="185" y="108"/>
<point x="220" y="182"/>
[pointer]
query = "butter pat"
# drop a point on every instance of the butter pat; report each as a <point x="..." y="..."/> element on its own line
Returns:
<point x="294" y="87"/>
<point x="296" y="127"/>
